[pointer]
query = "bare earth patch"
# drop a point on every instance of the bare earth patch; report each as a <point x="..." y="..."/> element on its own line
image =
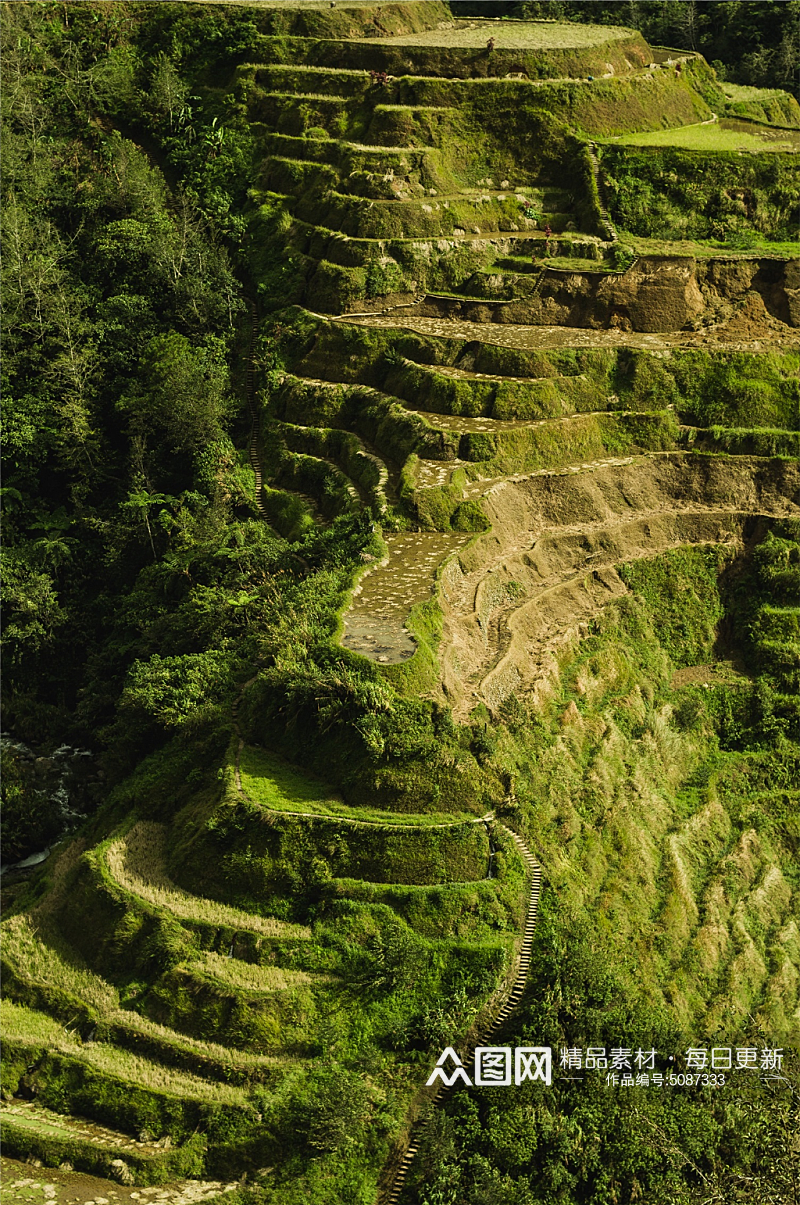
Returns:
<point x="719" y="673"/>
<point x="25" y="1184"/>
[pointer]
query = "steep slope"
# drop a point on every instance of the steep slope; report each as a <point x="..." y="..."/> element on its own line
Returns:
<point x="485" y="446"/>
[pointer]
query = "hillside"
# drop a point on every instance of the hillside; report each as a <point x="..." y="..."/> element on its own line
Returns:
<point x="401" y="584"/>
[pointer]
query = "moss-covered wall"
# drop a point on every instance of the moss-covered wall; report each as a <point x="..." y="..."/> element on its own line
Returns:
<point x="665" y="192"/>
<point x="453" y="61"/>
<point x="255" y="854"/>
<point x="279" y="24"/>
<point x="607" y="106"/>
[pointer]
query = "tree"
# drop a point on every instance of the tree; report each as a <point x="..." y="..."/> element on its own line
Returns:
<point x="183" y="393"/>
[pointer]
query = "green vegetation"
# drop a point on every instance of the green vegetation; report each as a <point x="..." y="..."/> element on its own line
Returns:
<point x="26" y="1030"/>
<point x="44" y="1135"/>
<point x="652" y="786"/>
<point x="288" y="875"/>
<point x="272" y="783"/>
<point x="717" y="136"/>
<point x="761" y="104"/>
<point x="136" y="864"/>
<point x="750" y="44"/>
<point x="678" y="193"/>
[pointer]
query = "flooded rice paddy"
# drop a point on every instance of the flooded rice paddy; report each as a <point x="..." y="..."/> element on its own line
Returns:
<point x="375" y="623"/>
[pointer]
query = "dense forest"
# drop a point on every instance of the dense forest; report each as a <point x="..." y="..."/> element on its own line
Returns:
<point x="126" y="504"/>
<point x="172" y="630"/>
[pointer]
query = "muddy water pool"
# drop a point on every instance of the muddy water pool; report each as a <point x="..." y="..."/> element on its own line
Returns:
<point x="375" y="623"/>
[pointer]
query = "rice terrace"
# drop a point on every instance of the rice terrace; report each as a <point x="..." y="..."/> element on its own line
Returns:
<point x="401" y="587"/>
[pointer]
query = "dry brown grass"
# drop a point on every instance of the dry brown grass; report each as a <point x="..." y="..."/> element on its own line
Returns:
<point x="37" y="961"/>
<point x="137" y="863"/>
<point x="246" y="976"/>
<point x="212" y="1050"/>
<point x="23" y="1025"/>
<point x="713" y="937"/>
<point x="771" y="899"/>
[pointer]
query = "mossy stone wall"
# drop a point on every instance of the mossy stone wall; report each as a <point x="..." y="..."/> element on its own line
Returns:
<point x="252" y="854"/>
<point x="668" y="193"/>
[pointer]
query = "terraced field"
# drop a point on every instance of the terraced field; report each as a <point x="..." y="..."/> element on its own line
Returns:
<point x="168" y="1077"/>
<point x="517" y="435"/>
<point x="665" y="494"/>
<point x="725" y="135"/>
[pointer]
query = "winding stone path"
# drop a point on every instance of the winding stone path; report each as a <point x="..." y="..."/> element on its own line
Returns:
<point x="397" y="1170"/>
<point x="249" y="389"/>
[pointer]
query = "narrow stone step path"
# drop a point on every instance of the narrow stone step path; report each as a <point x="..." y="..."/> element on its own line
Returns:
<point x="250" y="394"/>
<point x="537" y="288"/>
<point x="391" y="1194"/>
<point x="609" y="229"/>
<point x="253" y="451"/>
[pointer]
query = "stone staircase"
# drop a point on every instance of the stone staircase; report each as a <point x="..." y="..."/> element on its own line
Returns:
<point x="609" y="231"/>
<point x="253" y="452"/>
<point x="494" y="1023"/>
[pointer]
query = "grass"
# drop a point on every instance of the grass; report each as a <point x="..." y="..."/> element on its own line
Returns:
<point x="739" y="92"/>
<point x="136" y="863"/>
<point x="245" y="976"/>
<point x="519" y="36"/>
<point x="339" y="100"/>
<point x="35" y="961"/>
<point x="702" y="900"/>
<point x="35" y="1124"/>
<point x="50" y="1124"/>
<point x="566" y="263"/>
<point x="226" y="1056"/>
<point x="714" y="137"/>
<point x="708" y="249"/>
<point x="53" y="1138"/>
<point x="271" y="782"/>
<point x="42" y="963"/>
<point x="22" y="1026"/>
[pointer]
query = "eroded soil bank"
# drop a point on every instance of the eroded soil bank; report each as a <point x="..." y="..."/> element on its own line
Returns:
<point x="656" y="294"/>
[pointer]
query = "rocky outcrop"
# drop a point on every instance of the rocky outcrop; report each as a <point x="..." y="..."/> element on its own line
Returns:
<point x="656" y="294"/>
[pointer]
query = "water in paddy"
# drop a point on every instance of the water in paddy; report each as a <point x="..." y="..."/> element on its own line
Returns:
<point x="770" y="134"/>
<point x="464" y="423"/>
<point x="375" y="623"/>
